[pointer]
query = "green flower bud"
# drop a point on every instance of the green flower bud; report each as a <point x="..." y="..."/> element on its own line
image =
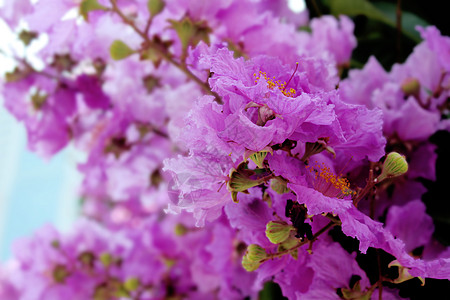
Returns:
<point x="87" y="258"/>
<point x="278" y="231"/>
<point x="106" y="259"/>
<point x="249" y="265"/>
<point x="394" y="165"/>
<point x="131" y="284"/>
<point x="180" y="229"/>
<point x="56" y="244"/>
<point x="169" y="262"/>
<point x="255" y="253"/>
<point x="411" y="86"/>
<point x="60" y="273"/>
<point x="279" y="185"/>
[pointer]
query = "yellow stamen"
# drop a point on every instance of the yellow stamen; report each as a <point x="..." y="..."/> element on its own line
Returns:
<point x="329" y="184"/>
<point x="272" y="84"/>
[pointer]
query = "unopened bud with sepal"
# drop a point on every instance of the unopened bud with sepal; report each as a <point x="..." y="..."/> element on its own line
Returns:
<point x="394" y="165"/>
<point x="278" y="231"/>
<point x="411" y="87"/>
<point x="253" y="257"/>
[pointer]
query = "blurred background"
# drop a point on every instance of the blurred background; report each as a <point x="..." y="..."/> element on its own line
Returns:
<point x="32" y="191"/>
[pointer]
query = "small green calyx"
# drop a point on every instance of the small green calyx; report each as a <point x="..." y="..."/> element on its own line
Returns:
<point x="394" y="165"/>
<point x="17" y="74"/>
<point x="190" y="33"/>
<point x="63" y="62"/>
<point x="279" y="185"/>
<point x="257" y="157"/>
<point x="87" y="259"/>
<point x="27" y="36"/>
<point x="356" y="293"/>
<point x="316" y="148"/>
<point x="403" y="273"/>
<point x="278" y="231"/>
<point x="60" y="273"/>
<point x="132" y="284"/>
<point x="253" y="257"/>
<point x="38" y="100"/>
<point x="241" y="181"/>
<point x="151" y="82"/>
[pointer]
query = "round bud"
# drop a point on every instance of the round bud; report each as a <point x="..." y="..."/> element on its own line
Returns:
<point x="106" y="259"/>
<point x="255" y="253"/>
<point x="249" y="265"/>
<point x="411" y="86"/>
<point x="394" y="165"/>
<point x="278" y="231"/>
<point x="180" y="229"/>
<point x="60" y="273"/>
<point x="131" y="284"/>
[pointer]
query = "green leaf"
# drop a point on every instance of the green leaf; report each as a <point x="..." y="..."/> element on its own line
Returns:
<point x="380" y="11"/>
<point x="409" y="20"/>
<point x="191" y="33"/>
<point x="155" y="6"/>
<point x="358" y="7"/>
<point x="90" y="5"/>
<point x="119" y="50"/>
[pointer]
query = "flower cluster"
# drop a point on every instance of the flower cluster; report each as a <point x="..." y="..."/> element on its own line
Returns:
<point x="224" y="151"/>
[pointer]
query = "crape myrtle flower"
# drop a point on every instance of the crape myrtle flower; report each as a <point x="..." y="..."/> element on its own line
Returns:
<point x="266" y="104"/>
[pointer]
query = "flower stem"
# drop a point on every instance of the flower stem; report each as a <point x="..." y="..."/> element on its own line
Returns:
<point x="161" y="51"/>
<point x="304" y="242"/>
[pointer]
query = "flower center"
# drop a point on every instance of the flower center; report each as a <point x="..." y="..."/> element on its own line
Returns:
<point x="272" y="83"/>
<point x="329" y="184"/>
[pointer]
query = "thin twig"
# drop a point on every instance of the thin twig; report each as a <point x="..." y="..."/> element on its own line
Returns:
<point x="380" y="277"/>
<point x="316" y="8"/>
<point x="315" y="236"/>
<point x="162" y="52"/>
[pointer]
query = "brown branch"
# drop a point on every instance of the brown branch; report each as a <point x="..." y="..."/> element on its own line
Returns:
<point x="162" y="52"/>
<point x="306" y="241"/>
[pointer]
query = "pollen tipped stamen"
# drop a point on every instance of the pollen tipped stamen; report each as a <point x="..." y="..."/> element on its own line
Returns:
<point x="329" y="184"/>
<point x="292" y="76"/>
<point x="272" y="83"/>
